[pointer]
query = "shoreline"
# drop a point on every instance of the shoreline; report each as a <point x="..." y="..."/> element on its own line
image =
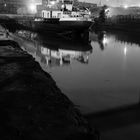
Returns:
<point x="32" y="106"/>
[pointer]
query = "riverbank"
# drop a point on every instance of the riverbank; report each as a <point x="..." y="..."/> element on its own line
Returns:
<point x="32" y="106"/>
<point x="116" y="27"/>
<point x="126" y="23"/>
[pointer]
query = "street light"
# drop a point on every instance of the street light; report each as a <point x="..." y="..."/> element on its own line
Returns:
<point x="32" y="8"/>
<point x="52" y="2"/>
<point x="125" y="6"/>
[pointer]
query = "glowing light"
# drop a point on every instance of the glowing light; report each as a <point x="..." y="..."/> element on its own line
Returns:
<point x="106" y="10"/>
<point x="105" y="41"/>
<point x="125" y="50"/>
<point x="32" y="8"/>
<point x="125" y="6"/>
<point x="52" y="2"/>
<point x="62" y="6"/>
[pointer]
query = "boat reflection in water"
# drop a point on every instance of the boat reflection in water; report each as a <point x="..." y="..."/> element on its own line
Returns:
<point x="109" y="80"/>
<point x="52" y="52"/>
<point x="61" y="57"/>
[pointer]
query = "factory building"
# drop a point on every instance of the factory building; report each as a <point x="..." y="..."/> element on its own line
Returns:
<point x="13" y="6"/>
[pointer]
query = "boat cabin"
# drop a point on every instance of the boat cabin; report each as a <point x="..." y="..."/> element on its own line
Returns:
<point x="52" y="13"/>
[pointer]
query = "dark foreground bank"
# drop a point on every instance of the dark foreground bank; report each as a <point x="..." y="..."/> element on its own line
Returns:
<point x="31" y="105"/>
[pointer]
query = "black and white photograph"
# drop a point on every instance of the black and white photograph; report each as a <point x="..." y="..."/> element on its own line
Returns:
<point x="69" y="69"/>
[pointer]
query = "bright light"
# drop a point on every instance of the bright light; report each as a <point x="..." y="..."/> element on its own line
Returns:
<point x="105" y="40"/>
<point x="52" y="2"/>
<point x="62" y="6"/>
<point x="125" y="6"/>
<point x="106" y="10"/>
<point x="125" y="50"/>
<point x="32" y="8"/>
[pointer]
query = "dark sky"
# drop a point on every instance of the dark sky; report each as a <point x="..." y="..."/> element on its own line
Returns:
<point x="116" y="2"/>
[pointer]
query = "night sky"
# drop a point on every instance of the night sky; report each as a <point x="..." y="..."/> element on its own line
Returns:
<point x="116" y="2"/>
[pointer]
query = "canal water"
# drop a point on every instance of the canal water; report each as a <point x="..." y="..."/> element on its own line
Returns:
<point x="103" y="75"/>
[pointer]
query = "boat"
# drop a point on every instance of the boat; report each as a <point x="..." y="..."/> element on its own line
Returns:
<point x="61" y="20"/>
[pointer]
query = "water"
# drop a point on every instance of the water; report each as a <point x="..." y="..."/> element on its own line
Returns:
<point x="96" y="77"/>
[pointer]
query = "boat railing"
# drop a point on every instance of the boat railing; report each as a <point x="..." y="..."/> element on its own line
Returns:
<point x="67" y="12"/>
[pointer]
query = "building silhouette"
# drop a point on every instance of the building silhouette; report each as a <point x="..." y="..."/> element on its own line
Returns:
<point x="12" y="6"/>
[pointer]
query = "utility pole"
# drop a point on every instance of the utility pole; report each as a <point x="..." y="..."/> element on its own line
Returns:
<point x="100" y="3"/>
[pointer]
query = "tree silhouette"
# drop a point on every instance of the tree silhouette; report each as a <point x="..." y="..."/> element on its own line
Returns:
<point x="75" y="2"/>
<point x="102" y="14"/>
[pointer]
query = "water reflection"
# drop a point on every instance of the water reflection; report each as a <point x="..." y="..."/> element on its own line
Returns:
<point x="105" y="38"/>
<point x="61" y="57"/>
<point x="107" y="88"/>
<point x="109" y="77"/>
<point x="50" y="52"/>
<point x="117" y="120"/>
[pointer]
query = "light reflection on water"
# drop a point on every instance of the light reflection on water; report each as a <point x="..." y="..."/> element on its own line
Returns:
<point x="99" y="78"/>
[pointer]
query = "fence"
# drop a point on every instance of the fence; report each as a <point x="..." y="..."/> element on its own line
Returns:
<point x="124" y="19"/>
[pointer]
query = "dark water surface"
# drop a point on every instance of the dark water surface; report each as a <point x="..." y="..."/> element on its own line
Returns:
<point x="102" y="75"/>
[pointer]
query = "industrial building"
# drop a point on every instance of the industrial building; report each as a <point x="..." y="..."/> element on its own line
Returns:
<point x="12" y="6"/>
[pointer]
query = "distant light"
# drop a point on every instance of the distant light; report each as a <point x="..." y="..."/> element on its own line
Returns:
<point x="125" y="50"/>
<point x="62" y="6"/>
<point x="105" y="40"/>
<point x="32" y="8"/>
<point x="125" y="6"/>
<point x="52" y="2"/>
<point x="5" y="5"/>
<point x="106" y="10"/>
